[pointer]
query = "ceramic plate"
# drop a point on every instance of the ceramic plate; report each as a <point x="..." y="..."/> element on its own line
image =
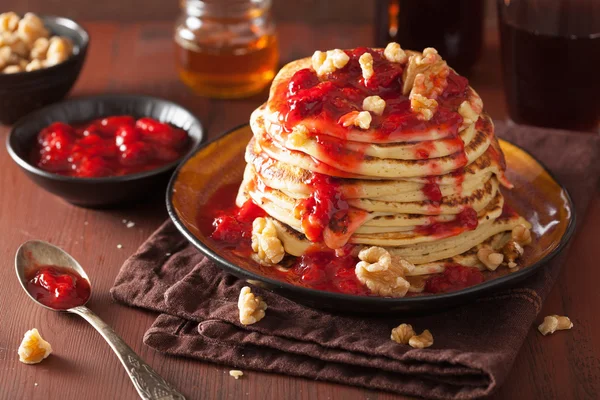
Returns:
<point x="536" y="196"/>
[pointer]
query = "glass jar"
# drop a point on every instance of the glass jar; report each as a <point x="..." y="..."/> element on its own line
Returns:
<point x="226" y="48"/>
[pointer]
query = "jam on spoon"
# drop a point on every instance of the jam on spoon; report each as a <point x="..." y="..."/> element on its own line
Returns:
<point x="58" y="287"/>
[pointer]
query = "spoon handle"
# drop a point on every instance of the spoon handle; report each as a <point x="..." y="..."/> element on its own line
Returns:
<point x="149" y="385"/>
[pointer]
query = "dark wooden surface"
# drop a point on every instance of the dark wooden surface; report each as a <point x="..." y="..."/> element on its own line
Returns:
<point x="138" y="59"/>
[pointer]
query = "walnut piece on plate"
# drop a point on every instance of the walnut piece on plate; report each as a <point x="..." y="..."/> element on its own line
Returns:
<point x="382" y="273"/>
<point x="490" y="258"/>
<point x="33" y="348"/>
<point x="265" y="242"/>
<point x="374" y="104"/>
<point x="252" y="308"/>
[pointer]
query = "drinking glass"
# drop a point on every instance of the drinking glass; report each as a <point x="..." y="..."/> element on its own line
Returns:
<point x="550" y="62"/>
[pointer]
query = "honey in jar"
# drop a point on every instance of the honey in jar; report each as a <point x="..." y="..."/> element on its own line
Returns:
<point x="226" y="48"/>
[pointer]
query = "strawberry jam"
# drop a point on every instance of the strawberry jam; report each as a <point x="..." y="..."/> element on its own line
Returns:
<point x="324" y="203"/>
<point x="454" y="277"/>
<point x="466" y="220"/>
<point x="111" y="146"/>
<point x="58" y="287"/>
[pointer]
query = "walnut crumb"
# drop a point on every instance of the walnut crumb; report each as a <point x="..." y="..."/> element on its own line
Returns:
<point x="252" y="308"/>
<point x="512" y="251"/>
<point x="265" y="242"/>
<point x="382" y="273"/>
<point x="421" y="341"/>
<point x="366" y="65"/>
<point x="490" y="258"/>
<point x="394" y="53"/>
<point x="553" y="323"/>
<point x="236" y="373"/>
<point x="467" y="113"/>
<point x="402" y="333"/>
<point x="325" y="63"/>
<point x="423" y="106"/>
<point x="33" y="348"/>
<point x="521" y="234"/>
<point x="374" y="104"/>
<point x="361" y="119"/>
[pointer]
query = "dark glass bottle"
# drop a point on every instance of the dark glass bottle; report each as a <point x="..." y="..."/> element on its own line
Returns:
<point x="452" y="27"/>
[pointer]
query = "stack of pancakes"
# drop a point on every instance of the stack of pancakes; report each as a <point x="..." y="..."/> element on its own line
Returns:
<point x="429" y="193"/>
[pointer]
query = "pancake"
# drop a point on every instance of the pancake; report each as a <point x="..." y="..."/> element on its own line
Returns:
<point x="378" y="151"/>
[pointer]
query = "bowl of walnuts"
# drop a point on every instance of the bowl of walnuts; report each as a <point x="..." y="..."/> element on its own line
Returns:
<point x="40" y="60"/>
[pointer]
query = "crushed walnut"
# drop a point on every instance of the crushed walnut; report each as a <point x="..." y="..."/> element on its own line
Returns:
<point x="326" y="62"/>
<point x="361" y="119"/>
<point x="512" y="251"/>
<point x="394" y="53"/>
<point x="553" y="323"/>
<point x="374" y="104"/>
<point x="381" y="273"/>
<point x="265" y="242"/>
<point x="490" y="258"/>
<point x="423" y="106"/>
<point x="26" y="45"/>
<point x="366" y="65"/>
<point x="252" y="308"/>
<point x="33" y="348"/>
<point x="402" y="333"/>
<point x="521" y="234"/>
<point x="421" y="341"/>
<point x="236" y="373"/>
<point x="429" y="64"/>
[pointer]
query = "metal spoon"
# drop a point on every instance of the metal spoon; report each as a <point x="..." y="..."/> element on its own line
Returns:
<point x="147" y="382"/>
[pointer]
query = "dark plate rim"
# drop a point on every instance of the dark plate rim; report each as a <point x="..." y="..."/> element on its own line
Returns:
<point x="81" y="50"/>
<point x="109" y="179"/>
<point x="367" y="300"/>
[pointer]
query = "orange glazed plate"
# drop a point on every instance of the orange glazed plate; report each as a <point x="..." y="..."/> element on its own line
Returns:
<point x="537" y="196"/>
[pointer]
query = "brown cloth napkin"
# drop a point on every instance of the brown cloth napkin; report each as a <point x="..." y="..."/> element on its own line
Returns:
<point x="475" y="344"/>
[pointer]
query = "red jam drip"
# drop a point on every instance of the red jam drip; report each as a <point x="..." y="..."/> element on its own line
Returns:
<point x="323" y="270"/>
<point x="111" y="146"/>
<point x="454" y="277"/>
<point x="431" y="190"/>
<point x="466" y="220"/>
<point x="324" y="204"/>
<point x="58" y="287"/>
<point x="343" y="91"/>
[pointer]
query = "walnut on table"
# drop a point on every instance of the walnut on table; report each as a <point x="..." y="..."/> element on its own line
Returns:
<point x="236" y="373"/>
<point x="553" y="323"/>
<point x="252" y="308"/>
<point x="402" y="333"/>
<point x="421" y="341"/>
<point x="33" y="348"/>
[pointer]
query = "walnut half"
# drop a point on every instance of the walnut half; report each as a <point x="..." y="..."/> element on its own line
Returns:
<point x="402" y="333"/>
<point x="490" y="258"/>
<point x="252" y="308"/>
<point x="553" y="323"/>
<point x="265" y="242"/>
<point x="421" y="341"/>
<point x="382" y="274"/>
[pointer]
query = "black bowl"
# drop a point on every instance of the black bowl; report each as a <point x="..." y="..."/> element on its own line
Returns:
<point x="23" y="92"/>
<point x="106" y="191"/>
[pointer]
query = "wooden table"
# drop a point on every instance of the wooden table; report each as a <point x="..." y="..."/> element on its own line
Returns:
<point x="138" y="59"/>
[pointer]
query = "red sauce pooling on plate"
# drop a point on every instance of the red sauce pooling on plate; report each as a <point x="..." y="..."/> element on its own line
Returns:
<point x="110" y="146"/>
<point x="454" y="277"/>
<point x="58" y="287"/>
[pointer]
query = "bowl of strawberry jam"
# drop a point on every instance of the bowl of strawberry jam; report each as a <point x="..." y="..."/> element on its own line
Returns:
<point x="104" y="150"/>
